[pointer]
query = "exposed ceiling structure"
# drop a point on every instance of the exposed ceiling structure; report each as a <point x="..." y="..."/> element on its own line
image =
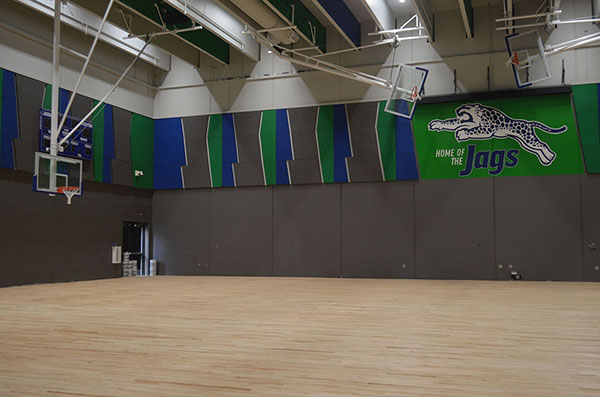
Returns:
<point x="294" y="28"/>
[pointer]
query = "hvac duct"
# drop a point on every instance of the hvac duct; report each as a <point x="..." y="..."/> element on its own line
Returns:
<point x="267" y="19"/>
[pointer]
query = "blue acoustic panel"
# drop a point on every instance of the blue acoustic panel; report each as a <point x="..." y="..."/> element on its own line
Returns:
<point x="230" y="155"/>
<point x="9" y="127"/>
<point x="169" y="153"/>
<point x="283" y="146"/>
<point x="108" y="144"/>
<point x="406" y="161"/>
<point x="344" y="19"/>
<point x="341" y="144"/>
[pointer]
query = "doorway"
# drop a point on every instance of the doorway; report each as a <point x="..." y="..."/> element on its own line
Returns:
<point x="135" y="242"/>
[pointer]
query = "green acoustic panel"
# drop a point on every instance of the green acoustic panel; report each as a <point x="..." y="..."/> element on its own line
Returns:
<point x="142" y="150"/>
<point x="268" y="145"/>
<point x="587" y="108"/>
<point x="47" y="103"/>
<point x="174" y="19"/>
<point x="302" y="18"/>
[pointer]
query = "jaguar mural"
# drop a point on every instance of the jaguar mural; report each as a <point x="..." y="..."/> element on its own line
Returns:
<point x="475" y="121"/>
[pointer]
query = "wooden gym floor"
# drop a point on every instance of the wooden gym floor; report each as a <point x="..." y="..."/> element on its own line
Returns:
<point x="191" y="336"/>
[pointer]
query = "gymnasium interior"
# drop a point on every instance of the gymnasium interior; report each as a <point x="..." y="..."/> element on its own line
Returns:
<point x="299" y="197"/>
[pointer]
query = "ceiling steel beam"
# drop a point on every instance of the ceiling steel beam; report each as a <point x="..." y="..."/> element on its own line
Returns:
<point x="425" y="12"/>
<point x="87" y="22"/>
<point x="382" y="14"/>
<point x="466" y="12"/>
<point x="220" y="22"/>
<point x="342" y="19"/>
<point x="202" y="40"/>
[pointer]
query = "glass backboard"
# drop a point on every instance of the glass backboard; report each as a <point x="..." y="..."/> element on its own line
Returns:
<point x="55" y="172"/>
<point x="528" y="58"/>
<point x="406" y="91"/>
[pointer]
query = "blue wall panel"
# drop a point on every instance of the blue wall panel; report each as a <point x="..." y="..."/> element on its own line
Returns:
<point x="341" y="144"/>
<point x="169" y="153"/>
<point x="230" y="155"/>
<point x="283" y="144"/>
<point x="9" y="129"/>
<point x="108" y="144"/>
<point x="406" y="160"/>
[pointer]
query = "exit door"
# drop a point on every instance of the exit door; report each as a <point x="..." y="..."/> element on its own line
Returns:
<point x="134" y="242"/>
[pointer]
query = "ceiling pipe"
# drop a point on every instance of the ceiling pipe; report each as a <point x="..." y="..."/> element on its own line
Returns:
<point x="267" y="19"/>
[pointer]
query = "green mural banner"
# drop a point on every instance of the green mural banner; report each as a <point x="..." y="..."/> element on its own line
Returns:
<point x="533" y="135"/>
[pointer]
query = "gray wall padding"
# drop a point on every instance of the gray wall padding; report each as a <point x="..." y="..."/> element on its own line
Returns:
<point x="306" y="231"/>
<point x="29" y="99"/>
<point x="538" y="226"/>
<point x="181" y="229"/>
<point x="590" y="189"/>
<point x="305" y="168"/>
<point x="249" y="170"/>
<point x="454" y="234"/>
<point x="445" y="229"/>
<point x="364" y="169"/>
<point x="46" y="240"/>
<point x="196" y="173"/>
<point x="30" y="92"/>
<point x="378" y="235"/>
<point x="122" y="126"/>
<point x="241" y="233"/>
<point x="249" y="174"/>
<point x="121" y="171"/>
<point x="247" y="123"/>
<point x="121" y="164"/>
<point x="81" y="106"/>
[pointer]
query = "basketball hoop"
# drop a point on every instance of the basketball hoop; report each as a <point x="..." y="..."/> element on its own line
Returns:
<point x="514" y="59"/>
<point x="68" y="191"/>
<point x="414" y="95"/>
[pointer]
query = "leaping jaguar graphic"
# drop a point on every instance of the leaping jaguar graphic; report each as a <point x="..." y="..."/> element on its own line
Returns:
<point x="476" y="121"/>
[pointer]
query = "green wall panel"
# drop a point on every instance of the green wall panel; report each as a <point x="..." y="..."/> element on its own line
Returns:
<point x="142" y="150"/>
<point x="98" y="142"/>
<point x="587" y="108"/>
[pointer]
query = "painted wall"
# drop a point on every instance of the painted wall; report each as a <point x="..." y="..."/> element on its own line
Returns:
<point x="45" y="240"/>
<point x="480" y="228"/>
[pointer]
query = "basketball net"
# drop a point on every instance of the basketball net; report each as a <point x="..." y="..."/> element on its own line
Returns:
<point x="514" y="59"/>
<point x="414" y="95"/>
<point x="68" y="191"/>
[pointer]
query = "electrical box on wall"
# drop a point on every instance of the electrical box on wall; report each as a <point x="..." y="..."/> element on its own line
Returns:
<point x="116" y="254"/>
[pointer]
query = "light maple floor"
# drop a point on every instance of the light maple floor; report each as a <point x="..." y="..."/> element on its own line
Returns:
<point x="191" y="336"/>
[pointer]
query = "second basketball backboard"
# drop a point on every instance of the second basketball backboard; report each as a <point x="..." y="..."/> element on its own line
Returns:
<point x="406" y="91"/>
<point x="527" y="58"/>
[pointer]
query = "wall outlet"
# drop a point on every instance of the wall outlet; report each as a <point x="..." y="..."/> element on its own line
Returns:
<point x="596" y="268"/>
